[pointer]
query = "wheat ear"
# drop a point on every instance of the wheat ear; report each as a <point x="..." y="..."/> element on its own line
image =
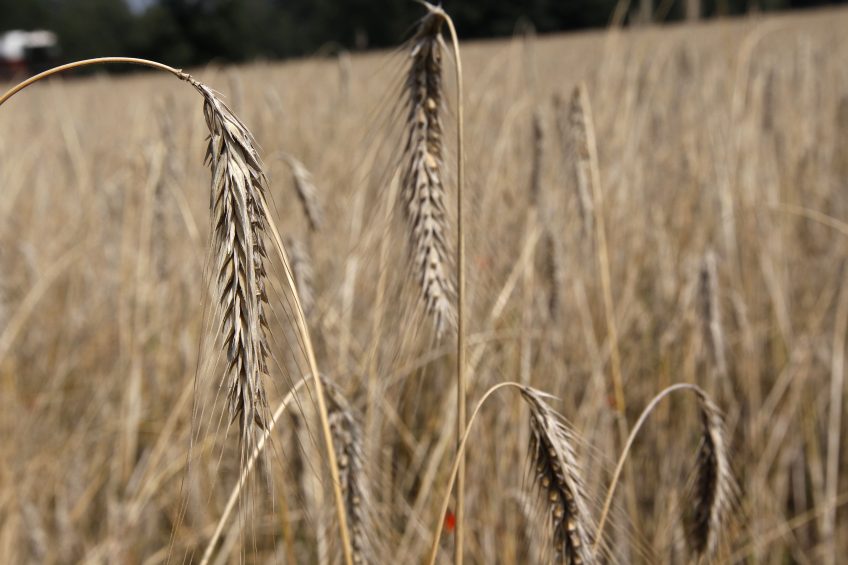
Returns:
<point x="551" y="429"/>
<point x="538" y="158"/>
<point x="422" y="177"/>
<point x="347" y="439"/>
<point x="711" y="313"/>
<point x="554" y="269"/>
<point x="588" y="173"/>
<point x="238" y="197"/>
<point x="556" y="474"/>
<point x="461" y="365"/>
<point x="238" y="223"/>
<point x="712" y="490"/>
<point x="240" y="213"/>
<point x="578" y="126"/>
<point x="573" y="139"/>
<point x="260" y="211"/>
<point x="304" y="185"/>
<point x="423" y="199"/>
<point x="304" y="275"/>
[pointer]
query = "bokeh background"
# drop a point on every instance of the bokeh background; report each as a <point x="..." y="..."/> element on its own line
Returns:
<point x="191" y="32"/>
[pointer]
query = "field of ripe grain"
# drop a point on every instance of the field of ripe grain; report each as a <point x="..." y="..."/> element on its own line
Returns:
<point x="707" y="244"/>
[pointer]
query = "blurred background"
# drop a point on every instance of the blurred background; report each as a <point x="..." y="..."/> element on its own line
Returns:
<point x="192" y="32"/>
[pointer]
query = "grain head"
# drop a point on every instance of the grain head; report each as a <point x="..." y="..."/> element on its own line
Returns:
<point x="347" y="439"/>
<point x="238" y="256"/>
<point x="712" y="492"/>
<point x="307" y="193"/>
<point x="556" y="474"/>
<point x="422" y="177"/>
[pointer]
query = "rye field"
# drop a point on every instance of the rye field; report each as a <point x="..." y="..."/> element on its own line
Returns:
<point x="641" y="209"/>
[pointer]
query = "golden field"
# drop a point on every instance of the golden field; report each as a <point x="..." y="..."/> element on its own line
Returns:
<point x="723" y="165"/>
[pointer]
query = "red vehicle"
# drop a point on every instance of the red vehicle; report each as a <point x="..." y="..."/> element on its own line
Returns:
<point x="23" y="53"/>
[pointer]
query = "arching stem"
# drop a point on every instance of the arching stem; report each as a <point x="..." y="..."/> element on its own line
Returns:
<point x="461" y="385"/>
<point x="299" y="315"/>
<point x="434" y="549"/>
<point x="626" y="451"/>
<point x="87" y="63"/>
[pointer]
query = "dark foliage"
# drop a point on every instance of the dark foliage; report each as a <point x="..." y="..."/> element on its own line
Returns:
<point x="191" y="32"/>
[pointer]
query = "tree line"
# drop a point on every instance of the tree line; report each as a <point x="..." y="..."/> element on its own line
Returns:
<point x="191" y="32"/>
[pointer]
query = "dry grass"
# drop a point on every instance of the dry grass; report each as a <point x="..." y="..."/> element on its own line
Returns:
<point x="723" y="152"/>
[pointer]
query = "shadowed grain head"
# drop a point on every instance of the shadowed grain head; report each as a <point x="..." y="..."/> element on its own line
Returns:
<point x="538" y="156"/>
<point x="347" y="439"/>
<point x="556" y="474"/>
<point x="712" y="492"/>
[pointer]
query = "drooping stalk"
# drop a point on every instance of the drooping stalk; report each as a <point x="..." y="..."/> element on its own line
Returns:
<point x="257" y="211"/>
<point x="423" y="191"/>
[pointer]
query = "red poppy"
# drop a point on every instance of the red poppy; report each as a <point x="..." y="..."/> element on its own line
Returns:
<point x="450" y="521"/>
